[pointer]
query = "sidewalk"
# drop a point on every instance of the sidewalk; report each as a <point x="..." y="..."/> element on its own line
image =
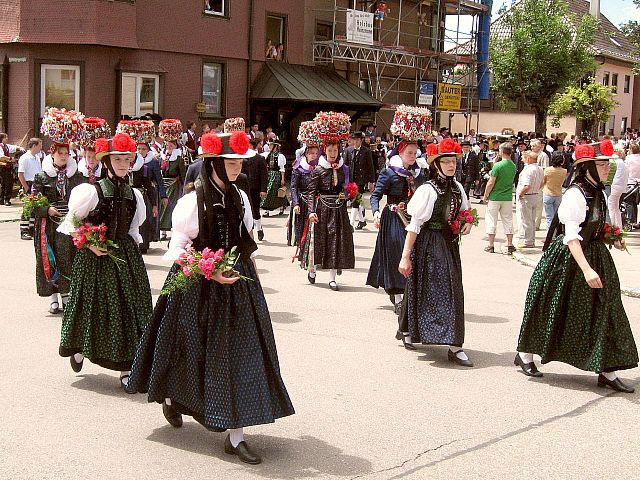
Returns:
<point x="12" y="213"/>
<point x="627" y="264"/>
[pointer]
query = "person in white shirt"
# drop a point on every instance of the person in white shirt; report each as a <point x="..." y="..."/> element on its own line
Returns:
<point x="527" y="195"/>
<point x="6" y="168"/>
<point x="28" y="166"/>
<point x="543" y="162"/>
<point x="618" y="185"/>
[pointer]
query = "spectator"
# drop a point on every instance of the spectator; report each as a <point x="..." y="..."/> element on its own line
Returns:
<point x="279" y="53"/>
<point x="470" y="167"/>
<point x="7" y="163"/>
<point x="498" y="195"/>
<point x="28" y="166"/>
<point x="618" y="187"/>
<point x="271" y="52"/>
<point x="554" y="177"/>
<point x="632" y="164"/>
<point x="527" y="193"/>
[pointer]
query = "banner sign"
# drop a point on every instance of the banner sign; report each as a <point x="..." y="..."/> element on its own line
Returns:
<point x="449" y="96"/>
<point x="359" y="27"/>
<point x="427" y="92"/>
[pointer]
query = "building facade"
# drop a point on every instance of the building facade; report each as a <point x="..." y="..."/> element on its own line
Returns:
<point x="192" y="60"/>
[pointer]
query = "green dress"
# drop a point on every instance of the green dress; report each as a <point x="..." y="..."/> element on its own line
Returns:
<point x="54" y="250"/>
<point x="173" y="174"/>
<point x="110" y="303"/>
<point x="567" y="321"/>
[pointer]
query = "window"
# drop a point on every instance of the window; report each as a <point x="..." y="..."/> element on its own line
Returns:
<point x="614" y="83"/>
<point x="623" y="125"/>
<point x="605" y="79"/>
<point x="611" y="124"/>
<point x="627" y="83"/>
<point x="324" y="31"/>
<point x="140" y="93"/>
<point x="276" y="30"/>
<point x="216" y="7"/>
<point x="365" y="85"/>
<point x="59" y="87"/>
<point x="212" y="88"/>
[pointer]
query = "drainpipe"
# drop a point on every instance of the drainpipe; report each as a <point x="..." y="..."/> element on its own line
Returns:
<point x="250" y="61"/>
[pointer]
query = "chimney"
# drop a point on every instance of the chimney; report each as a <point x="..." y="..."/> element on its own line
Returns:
<point x="594" y="8"/>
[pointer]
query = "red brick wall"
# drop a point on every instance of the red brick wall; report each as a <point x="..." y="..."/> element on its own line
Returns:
<point x="9" y="20"/>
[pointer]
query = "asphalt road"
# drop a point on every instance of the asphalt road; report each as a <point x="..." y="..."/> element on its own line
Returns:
<point x="366" y="408"/>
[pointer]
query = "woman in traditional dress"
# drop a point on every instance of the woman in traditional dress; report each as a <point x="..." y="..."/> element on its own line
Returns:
<point x="54" y="251"/>
<point x="398" y="182"/>
<point x="276" y="163"/>
<point x="329" y="244"/>
<point x="173" y="170"/>
<point x="110" y="299"/>
<point x="300" y="179"/>
<point x="573" y="312"/>
<point x="433" y="307"/>
<point x="209" y="350"/>
<point x="143" y="177"/>
<point x="89" y="166"/>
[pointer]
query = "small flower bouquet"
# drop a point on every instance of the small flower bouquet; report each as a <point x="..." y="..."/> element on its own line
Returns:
<point x="399" y="207"/>
<point x="87" y="235"/>
<point x="353" y="194"/>
<point x="612" y="234"/>
<point x="32" y="201"/>
<point x="464" y="217"/>
<point x="207" y="264"/>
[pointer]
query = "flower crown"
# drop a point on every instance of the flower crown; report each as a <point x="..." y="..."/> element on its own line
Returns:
<point x="142" y="131"/>
<point x="411" y="123"/>
<point x="63" y="126"/>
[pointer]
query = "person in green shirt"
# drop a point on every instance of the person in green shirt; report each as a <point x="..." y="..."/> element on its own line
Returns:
<point x="498" y="196"/>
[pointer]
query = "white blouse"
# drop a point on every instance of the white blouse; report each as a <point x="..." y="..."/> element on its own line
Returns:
<point x="84" y="199"/>
<point x="185" y="223"/>
<point x="571" y="213"/>
<point x="282" y="160"/>
<point x="421" y="205"/>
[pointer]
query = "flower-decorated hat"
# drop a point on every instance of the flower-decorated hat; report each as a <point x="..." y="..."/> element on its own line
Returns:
<point x="309" y="134"/>
<point x="584" y="153"/>
<point x="63" y="126"/>
<point x="333" y="127"/>
<point x="446" y="148"/>
<point x="142" y="131"/>
<point x="225" y="145"/>
<point x="121" y="144"/>
<point x="235" y="124"/>
<point x="411" y="123"/>
<point x="170" y="129"/>
<point x="94" y="128"/>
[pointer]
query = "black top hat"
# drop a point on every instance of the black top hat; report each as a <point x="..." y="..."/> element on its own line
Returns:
<point x="357" y="135"/>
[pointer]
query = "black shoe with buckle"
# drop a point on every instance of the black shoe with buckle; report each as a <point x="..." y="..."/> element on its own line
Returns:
<point x="312" y="280"/>
<point x="54" y="308"/>
<point x="25" y="236"/>
<point x="242" y="451"/>
<point x="616" y="384"/>
<point x="333" y="286"/>
<point x="405" y="344"/>
<point x="172" y="415"/>
<point x="453" y="357"/>
<point x="529" y="369"/>
<point x="260" y="235"/>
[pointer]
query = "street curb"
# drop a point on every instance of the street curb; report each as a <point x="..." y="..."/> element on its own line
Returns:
<point x="10" y="220"/>
<point x="527" y="262"/>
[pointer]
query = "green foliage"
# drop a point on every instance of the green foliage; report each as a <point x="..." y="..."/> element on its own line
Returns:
<point x="590" y="102"/>
<point x="544" y="50"/>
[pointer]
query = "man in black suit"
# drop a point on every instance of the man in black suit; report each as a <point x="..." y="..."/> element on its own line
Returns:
<point x="470" y="167"/>
<point x="363" y="172"/>
<point x="255" y="169"/>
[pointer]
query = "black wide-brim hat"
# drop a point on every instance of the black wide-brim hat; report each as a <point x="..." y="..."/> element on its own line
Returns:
<point x="225" y="145"/>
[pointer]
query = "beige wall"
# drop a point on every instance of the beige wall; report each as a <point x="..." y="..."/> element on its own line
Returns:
<point x="624" y="110"/>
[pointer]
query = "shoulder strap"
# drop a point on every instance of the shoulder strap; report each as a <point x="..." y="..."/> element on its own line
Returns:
<point x="99" y="191"/>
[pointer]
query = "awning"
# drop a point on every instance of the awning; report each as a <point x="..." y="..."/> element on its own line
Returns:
<point x="308" y="84"/>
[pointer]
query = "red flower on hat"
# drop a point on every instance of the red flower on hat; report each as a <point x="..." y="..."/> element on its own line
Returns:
<point x="102" y="145"/>
<point x="123" y="143"/>
<point x="239" y="142"/>
<point x="606" y="147"/>
<point x="432" y="149"/>
<point x="211" y="144"/>
<point x="458" y="148"/>
<point x="447" y="146"/>
<point x="584" y="151"/>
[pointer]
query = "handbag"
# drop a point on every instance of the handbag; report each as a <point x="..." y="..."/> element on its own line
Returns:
<point x="282" y="192"/>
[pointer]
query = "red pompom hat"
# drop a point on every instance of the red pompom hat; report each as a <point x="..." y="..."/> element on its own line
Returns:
<point x="121" y="144"/>
<point x="225" y="145"/>
<point x="446" y="148"/>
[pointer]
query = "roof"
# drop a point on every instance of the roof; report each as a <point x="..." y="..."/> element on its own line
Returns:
<point x="609" y="41"/>
<point x="307" y="84"/>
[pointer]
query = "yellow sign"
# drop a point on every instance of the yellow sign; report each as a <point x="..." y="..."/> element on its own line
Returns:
<point x="201" y="107"/>
<point x="449" y="96"/>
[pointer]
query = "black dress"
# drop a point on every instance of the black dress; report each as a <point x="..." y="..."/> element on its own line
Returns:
<point x="332" y="237"/>
<point x="210" y="348"/>
<point x="383" y="271"/>
<point x="143" y="181"/>
<point x="300" y="179"/>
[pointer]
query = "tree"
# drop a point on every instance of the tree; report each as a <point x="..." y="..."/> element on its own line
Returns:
<point x="590" y="102"/>
<point x="631" y="30"/>
<point x="539" y="50"/>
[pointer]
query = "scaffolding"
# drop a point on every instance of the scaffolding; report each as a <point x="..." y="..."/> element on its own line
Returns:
<point x="411" y="45"/>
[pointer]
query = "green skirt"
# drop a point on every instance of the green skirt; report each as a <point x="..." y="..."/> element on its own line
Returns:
<point x="567" y="321"/>
<point x="109" y="306"/>
<point x="272" y="201"/>
<point x="173" y="187"/>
